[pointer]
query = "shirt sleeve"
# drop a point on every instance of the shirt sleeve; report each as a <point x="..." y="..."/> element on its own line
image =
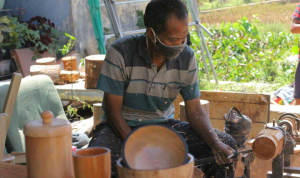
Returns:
<point x="190" y="88"/>
<point x="296" y="14"/>
<point x="112" y="76"/>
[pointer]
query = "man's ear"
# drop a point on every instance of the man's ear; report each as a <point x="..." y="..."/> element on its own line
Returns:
<point x="149" y="33"/>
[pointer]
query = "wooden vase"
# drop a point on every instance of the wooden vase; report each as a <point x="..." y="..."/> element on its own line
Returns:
<point x="70" y="63"/>
<point x="49" y="147"/>
<point x="93" y="66"/>
<point x="268" y="144"/>
<point x="92" y="163"/>
<point x="183" y="171"/>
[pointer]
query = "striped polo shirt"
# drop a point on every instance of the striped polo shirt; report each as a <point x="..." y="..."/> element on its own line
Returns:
<point x="296" y="15"/>
<point x="148" y="94"/>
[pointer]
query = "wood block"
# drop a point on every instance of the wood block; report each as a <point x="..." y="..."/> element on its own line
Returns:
<point x="69" y="76"/>
<point x="98" y="112"/>
<point x="3" y="132"/>
<point x="204" y="104"/>
<point x="20" y="157"/>
<point x="11" y="96"/>
<point x="93" y="65"/>
<point x="52" y="71"/>
<point x="256" y="106"/>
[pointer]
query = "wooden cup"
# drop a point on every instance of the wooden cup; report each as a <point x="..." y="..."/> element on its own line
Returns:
<point x="92" y="162"/>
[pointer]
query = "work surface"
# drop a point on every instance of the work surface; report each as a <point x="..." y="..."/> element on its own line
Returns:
<point x="12" y="171"/>
<point x="72" y="90"/>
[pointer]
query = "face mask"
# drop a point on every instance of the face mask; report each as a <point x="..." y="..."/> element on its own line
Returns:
<point x="170" y="52"/>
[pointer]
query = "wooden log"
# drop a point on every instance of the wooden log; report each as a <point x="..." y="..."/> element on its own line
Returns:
<point x="70" y="63"/>
<point x="268" y="144"/>
<point x="204" y="104"/>
<point x="11" y="96"/>
<point x="93" y="66"/>
<point x="97" y="113"/>
<point x="46" y="61"/>
<point x="92" y="163"/>
<point x="52" y="71"/>
<point x="3" y="132"/>
<point x="69" y="76"/>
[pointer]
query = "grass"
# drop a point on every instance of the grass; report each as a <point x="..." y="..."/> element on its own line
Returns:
<point x="223" y="3"/>
<point x="273" y="13"/>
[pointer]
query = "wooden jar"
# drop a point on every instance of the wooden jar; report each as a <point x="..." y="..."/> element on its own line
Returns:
<point x="70" y="63"/>
<point x="93" y="66"/>
<point x="49" y="147"/>
<point x="268" y="144"/>
<point x="183" y="171"/>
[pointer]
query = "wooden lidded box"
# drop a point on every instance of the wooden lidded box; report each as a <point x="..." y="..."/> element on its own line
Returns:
<point x="48" y="147"/>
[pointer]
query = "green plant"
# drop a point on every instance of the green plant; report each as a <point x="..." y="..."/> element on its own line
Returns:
<point x="4" y="21"/>
<point x="140" y="22"/>
<point x="69" y="46"/>
<point x="72" y="111"/>
<point x="240" y="53"/>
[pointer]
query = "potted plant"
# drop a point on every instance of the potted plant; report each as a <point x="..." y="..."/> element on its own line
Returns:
<point x="30" y="40"/>
<point x="4" y="29"/>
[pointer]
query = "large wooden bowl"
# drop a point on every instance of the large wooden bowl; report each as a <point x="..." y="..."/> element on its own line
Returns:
<point x="154" y="147"/>
<point x="184" y="171"/>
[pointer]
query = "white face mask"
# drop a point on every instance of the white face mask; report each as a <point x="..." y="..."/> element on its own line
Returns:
<point x="170" y="52"/>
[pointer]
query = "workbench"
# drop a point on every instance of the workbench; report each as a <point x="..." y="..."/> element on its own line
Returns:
<point x="71" y="90"/>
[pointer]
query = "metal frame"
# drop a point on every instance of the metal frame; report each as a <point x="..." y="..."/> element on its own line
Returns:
<point x="118" y="33"/>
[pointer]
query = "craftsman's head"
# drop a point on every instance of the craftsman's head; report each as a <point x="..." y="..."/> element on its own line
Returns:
<point x="167" y="20"/>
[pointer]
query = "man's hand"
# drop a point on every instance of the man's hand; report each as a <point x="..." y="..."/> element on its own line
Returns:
<point x="221" y="151"/>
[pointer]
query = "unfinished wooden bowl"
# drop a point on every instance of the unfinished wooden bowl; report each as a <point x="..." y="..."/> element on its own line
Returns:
<point x="182" y="171"/>
<point x="154" y="147"/>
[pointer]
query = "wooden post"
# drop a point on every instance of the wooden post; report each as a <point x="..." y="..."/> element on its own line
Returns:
<point x="97" y="113"/>
<point x="46" y="61"/>
<point x="3" y="132"/>
<point x="204" y="104"/>
<point x="93" y="66"/>
<point x="52" y="71"/>
<point x="11" y="96"/>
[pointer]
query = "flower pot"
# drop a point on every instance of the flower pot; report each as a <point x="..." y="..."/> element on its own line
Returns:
<point x="2" y="2"/>
<point x="5" y="67"/>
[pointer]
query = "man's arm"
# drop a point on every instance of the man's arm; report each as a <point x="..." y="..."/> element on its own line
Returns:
<point x="295" y="26"/>
<point x="200" y="123"/>
<point x="113" y="111"/>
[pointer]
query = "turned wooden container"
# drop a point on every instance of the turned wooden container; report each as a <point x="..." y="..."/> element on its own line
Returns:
<point x="70" y="63"/>
<point x="268" y="144"/>
<point x="92" y="162"/>
<point x="183" y="171"/>
<point x="93" y="66"/>
<point x="49" y="147"/>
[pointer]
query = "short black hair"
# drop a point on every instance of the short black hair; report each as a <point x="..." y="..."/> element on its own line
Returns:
<point x="157" y="12"/>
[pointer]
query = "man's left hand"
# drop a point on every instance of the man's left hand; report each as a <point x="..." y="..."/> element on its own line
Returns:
<point x="221" y="151"/>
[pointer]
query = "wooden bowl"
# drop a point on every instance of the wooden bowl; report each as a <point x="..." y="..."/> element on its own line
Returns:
<point x="154" y="147"/>
<point x="182" y="171"/>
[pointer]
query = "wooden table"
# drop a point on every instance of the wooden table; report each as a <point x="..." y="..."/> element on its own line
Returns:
<point x="70" y="91"/>
<point x="12" y="171"/>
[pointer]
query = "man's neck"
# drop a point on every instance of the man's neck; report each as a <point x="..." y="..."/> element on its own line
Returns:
<point x="156" y="57"/>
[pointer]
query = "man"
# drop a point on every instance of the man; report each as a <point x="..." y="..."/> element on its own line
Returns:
<point x="141" y="77"/>
<point x="295" y="29"/>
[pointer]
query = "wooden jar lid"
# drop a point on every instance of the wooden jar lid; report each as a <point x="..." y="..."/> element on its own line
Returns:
<point x="47" y="127"/>
<point x="99" y="57"/>
<point x="69" y="58"/>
